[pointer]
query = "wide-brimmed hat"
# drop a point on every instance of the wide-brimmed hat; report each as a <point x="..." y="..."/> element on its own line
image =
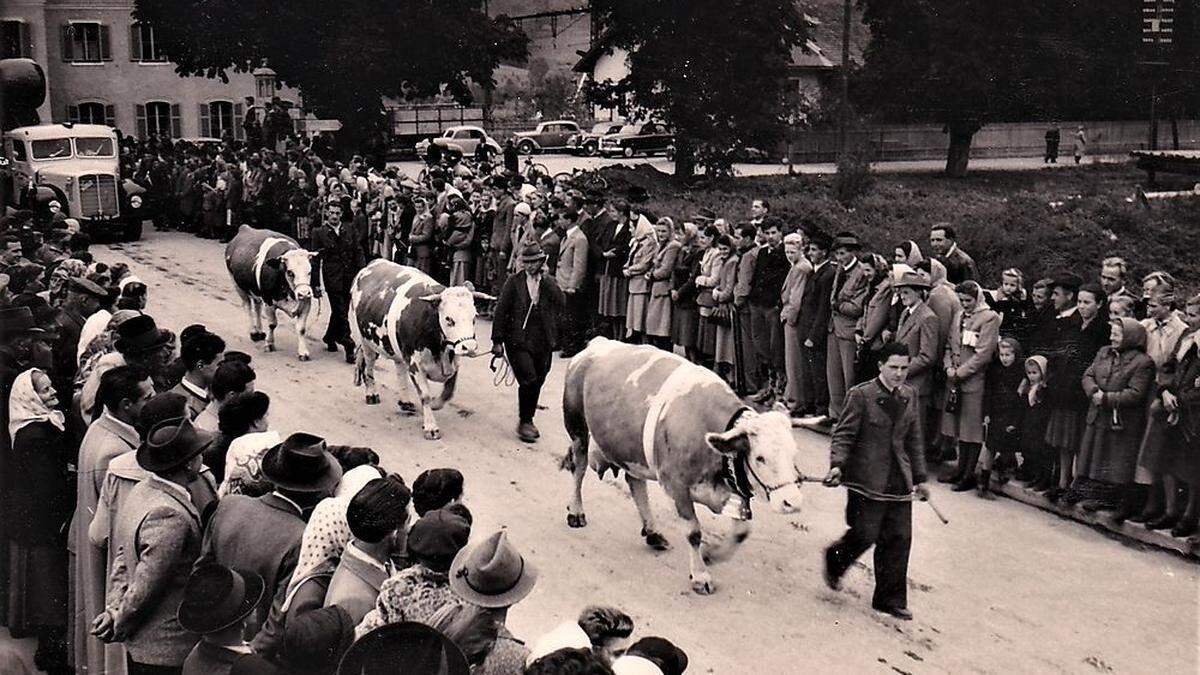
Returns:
<point x="912" y="280"/>
<point x="303" y="464"/>
<point x="438" y="537"/>
<point x="531" y="253"/>
<point x="847" y="240"/>
<point x="170" y="444"/>
<point x="492" y="573"/>
<point x="16" y="321"/>
<point x="140" y="334"/>
<point x="217" y="597"/>
<point x="422" y="648"/>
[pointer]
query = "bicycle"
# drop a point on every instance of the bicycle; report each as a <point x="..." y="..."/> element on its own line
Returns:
<point x="583" y="179"/>
<point x="534" y="170"/>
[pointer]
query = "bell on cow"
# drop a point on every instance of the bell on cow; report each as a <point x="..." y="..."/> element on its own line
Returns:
<point x="736" y="507"/>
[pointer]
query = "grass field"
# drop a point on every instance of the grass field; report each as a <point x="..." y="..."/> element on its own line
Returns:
<point x="1042" y="222"/>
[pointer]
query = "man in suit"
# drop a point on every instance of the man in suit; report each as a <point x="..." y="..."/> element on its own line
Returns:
<point x="525" y="329"/>
<point x="201" y="354"/>
<point x="572" y="278"/>
<point x="813" y="326"/>
<point x="917" y="330"/>
<point x="263" y="534"/>
<point x="608" y="249"/>
<point x="770" y="270"/>
<point x="375" y="515"/>
<point x="851" y="284"/>
<point x="340" y="257"/>
<point x="746" y="369"/>
<point x="944" y="242"/>
<point x="876" y="450"/>
<point x="500" y="244"/>
<point x="157" y="539"/>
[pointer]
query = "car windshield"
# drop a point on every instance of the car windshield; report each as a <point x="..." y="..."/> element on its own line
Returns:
<point x="53" y="148"/>
<point x="94" y="146"/>
<point x="629" y="129"/>
<point x="604" y="127"/>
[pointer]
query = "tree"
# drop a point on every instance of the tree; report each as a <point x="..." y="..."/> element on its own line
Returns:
<point x="344" y="57"/>
<point x="715" y="70"/>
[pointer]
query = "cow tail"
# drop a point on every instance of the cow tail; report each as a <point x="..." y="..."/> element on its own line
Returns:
<point x="360" y="366"/>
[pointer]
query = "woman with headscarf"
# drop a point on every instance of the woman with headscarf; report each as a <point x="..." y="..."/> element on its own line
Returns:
<point x="39" y="501"/>
<point x="909" y="253"/>
<point x="1117" y="384"/>
<point x="637" y="271"/>
<point x="969" y="352"/>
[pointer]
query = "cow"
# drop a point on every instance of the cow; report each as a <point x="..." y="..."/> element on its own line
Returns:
<point x="659" y="417"/>
<point x="423" y="326"/>
<point x="271" y="271"/>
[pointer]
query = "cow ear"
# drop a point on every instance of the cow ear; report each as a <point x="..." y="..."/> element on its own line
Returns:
<point x="433" y="298"/>
<point x="483" y="296"/>
<point x="469" y="286"/>
<point x="732" y="443"/>
<point x="275" y="263"/>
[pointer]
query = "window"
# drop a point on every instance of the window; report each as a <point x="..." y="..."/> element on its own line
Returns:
<point x="85" y="43"/>
<point x="158" y="118"/>
<point x="92" y="112"/>
<point x="142" y="45"/>
<point x="52" y="148"/>
<point x="15" y="41"/>
<point x="219" y="118"/>
<point x="93" y="146"/>
<point x="18" y="151"/>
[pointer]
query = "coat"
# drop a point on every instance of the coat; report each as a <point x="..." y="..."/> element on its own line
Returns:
<point x="791" y="294"/>
<point x="512" y="307"/>
<point x="41" y="498"/>
<point x="637" y="267"/>
<point x="868" y="439"/>
<point x="157" y="539"/>
<point x="880" y="314"/>
<point x="971" y="348"/>
<point x="341" y="255"/>
<point x="260" y="535"/>
<point x="849" y="300"/>
<point x="355" y="583"/>
<point x="918" y="331"/>
<point x="815" y="309"/>
<point x="1184" y="383"/>
<point x="1108" y="452"/>
<point x="959" y="265"/>
<point x="571" y="274"/>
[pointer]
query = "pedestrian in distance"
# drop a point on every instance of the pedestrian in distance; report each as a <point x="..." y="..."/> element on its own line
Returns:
<point x="1053" y="138"/>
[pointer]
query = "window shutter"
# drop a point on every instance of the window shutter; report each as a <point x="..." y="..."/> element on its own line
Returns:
<point x="141" y="121"/>
<point x="25" y="36"/>
<point x="239" y="117"/>
<point x="68" y="45"/>
<point x="105" y="55"/>
<point x="176" y="122"/>
<point x="110" y="115"/>
<point x="135" y="42"/>
<point x="205" y="124"/>
<point x="73" y="113"/>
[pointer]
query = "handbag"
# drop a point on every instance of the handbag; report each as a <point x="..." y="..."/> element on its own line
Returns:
<point x="722" y="315"/>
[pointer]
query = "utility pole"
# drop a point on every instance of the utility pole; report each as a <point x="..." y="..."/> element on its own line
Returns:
<point x="844" y="118"/>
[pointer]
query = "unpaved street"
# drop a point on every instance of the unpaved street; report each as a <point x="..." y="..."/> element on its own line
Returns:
<point x="1002" y="588"/>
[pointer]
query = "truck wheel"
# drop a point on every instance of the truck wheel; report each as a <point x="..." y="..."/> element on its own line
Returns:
<point x="628" y="152"/>
<point x="526" y="147"/>
<point x="133" y="230"/>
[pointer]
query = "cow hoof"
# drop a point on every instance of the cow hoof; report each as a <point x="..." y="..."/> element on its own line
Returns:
<point x="258" y="337"/>
<point x="656" y="541"/>
<point x="372" y="399"/>
<point x="576" y="520"/>
<point x="433" y="434"/>
<point x="302" y="357"/>
<point x="407" y="408"/>
<point x="703" y="585"/>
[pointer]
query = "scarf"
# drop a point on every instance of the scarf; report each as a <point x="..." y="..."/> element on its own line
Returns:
<point x="1033" y="391"/>
<point x="25" y="407"/>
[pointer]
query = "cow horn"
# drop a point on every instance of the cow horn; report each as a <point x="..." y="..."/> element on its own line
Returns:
<point x="432" y="297"/>
<point x="478" y="295"/>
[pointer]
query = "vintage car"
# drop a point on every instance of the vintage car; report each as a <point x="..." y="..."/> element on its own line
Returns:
<point x="460" y="141"/>
<point x="646" y="138"/>
<point x="552" y="135"/>
<point x="77" y="166"/>
<point x="588" y="142"/>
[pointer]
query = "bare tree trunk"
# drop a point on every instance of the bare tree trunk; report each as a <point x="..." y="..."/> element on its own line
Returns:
<point x="685" y="157"/>
<point x="959" y="152"/>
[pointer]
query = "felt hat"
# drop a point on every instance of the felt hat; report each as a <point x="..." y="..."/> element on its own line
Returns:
<point x="847" y="240"/>
<point x="171" y="444"/>
<point x="422" y="648"/>
<point x="216" y="597"/>
<point x="89" y="287"/>
<point x="140" y="334"/>
<point x="438" y="537"/>
<point x="531" y="252"/>
<point x="16" y="321"/>
<point x="492" y="573"/>
<point x="912" y="280"/>
<point x="303" y="464"/>
<point x="1067" y="280"/>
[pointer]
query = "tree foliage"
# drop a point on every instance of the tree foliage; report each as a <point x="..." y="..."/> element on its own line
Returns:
<point x="344" y="57"/>
<point x="715" y="70"/>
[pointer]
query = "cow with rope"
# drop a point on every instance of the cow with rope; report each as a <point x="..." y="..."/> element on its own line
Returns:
<point x="272" y="273"/>
<point x="659" y="417"/>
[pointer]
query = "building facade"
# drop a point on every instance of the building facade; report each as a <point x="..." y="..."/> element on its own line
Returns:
<point x="104" y="68"/>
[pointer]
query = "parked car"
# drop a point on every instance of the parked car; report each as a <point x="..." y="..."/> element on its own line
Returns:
<point x="588" y="143"/>
<point x="646" y="138"/>
<point x="460" y="141"/>
<point x="552" y="135"/>
<point x="77" y="166"/>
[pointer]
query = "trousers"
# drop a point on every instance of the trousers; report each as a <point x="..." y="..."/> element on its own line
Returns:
<point x="888" y="527"/>
<point x="530" y="368"/>
<point x="574" y="321"/>
<point x="840" y="371"/>
<point x="135" y="668"/>
<point x="767" y="332"/>
<point x="339" y="322"/>
<point x="817" y="388"/>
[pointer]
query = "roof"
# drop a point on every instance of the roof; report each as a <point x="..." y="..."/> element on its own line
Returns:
<point x="47" y="131"/>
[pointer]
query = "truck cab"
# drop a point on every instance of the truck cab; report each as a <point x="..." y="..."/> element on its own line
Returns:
<point x="78" y="166"/>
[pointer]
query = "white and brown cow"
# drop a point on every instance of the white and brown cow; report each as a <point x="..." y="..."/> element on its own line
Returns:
<point x="659" y="417"/>
<point x="426" y="328"/>
<point x="272" y="272"/>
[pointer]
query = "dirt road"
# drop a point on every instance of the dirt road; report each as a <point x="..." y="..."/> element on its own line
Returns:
<point x="1002" y="588"/>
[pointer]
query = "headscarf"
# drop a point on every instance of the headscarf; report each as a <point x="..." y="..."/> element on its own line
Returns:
<point x="25" y="407"/>
<point x="912" y="253"/>
<point x="327" y="531"/>
<point x="643" y="228"/>
<point x="1133" y="334"/>
<point x="1032" y="391"/>
<point x="937" y="273"/>
<point x="971" y="288"/>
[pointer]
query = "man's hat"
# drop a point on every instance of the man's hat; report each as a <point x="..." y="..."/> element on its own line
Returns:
<point x="1068" y="281"/>
<point x="847" y="240"/>
<point x="16" y="321"/>
<point x="140" y="334"/>
<point x="532" y="252"/>
<point x="88" y="287"/>
<point x="423" y="649"/>
<point x="171" y="444"/>
<point x="492" y="573"/>
<point x="302" y="463"/>
<point x="217" y="597"/>
<point x="912" y="280"/>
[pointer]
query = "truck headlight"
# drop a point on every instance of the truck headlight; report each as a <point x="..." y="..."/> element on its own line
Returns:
<point x="136" y="201"/>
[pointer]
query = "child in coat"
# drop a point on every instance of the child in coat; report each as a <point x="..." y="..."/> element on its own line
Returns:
<point x="1002" y="414"/>
<point x="1035" y="455"/>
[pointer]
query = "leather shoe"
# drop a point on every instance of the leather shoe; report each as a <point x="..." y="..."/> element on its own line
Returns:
<point x="1166" y="522"/>
<point x="527" y="432"/>
<point x="963" y="486"/>
<point x="1185" y="528"/>
<point x="899" y="612"/>
<point x="331" y="346"/>
<point x="833" y="581"/>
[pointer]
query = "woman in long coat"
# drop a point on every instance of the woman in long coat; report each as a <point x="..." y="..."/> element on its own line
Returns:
<point x="725" y="266"/>
<point x="40" y="501"/>
<point x="707" y="277"/>
<point x="791" y="296"/>
<point x="658" y="310"/>
<point x="969" y="352"/>
<point x="420" y="252"/>
<point x="1117" y="385"/>
<point x="1183" y="437"/>
<point x="637" y="272"/>
<point x="614" y="244"/>
<point x="684" y="316"/>
<point x="879" y="316"/>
